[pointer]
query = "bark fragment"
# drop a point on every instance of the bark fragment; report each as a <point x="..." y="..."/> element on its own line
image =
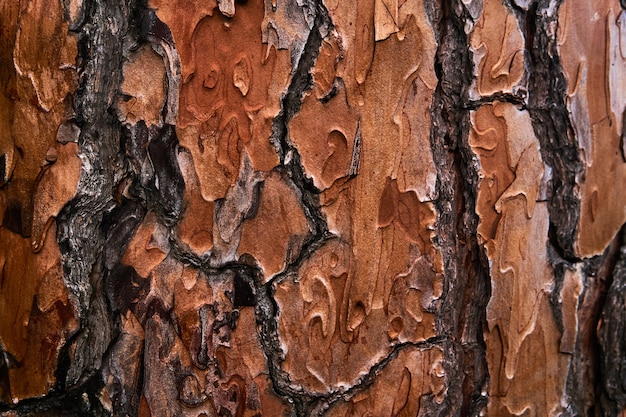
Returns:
<point x="513" y="228"/>
<point x="497" y="45"/>
<point x="593" y="58"/>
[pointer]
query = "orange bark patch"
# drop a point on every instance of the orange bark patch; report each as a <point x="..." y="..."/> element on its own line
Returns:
<point x="274" y="236"/>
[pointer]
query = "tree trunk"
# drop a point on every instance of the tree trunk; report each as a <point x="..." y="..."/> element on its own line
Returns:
<point x="312" y="207"/>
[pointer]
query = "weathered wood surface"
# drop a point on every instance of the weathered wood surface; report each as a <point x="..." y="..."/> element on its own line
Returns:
<point x="312" y="207"/>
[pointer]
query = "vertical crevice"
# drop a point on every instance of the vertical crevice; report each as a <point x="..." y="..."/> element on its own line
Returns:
<point x="80" y="234"/>
<point x="560" y="151"/>
<point x="466" y="288"/>
<point x="558" y="144"/>
<point x="553" y="128"/>
<point x="584" y="381"/>
<point x="612" y="337"/>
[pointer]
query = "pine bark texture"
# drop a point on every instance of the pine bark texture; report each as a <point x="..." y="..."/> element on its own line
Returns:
<point x="312" y="208"/>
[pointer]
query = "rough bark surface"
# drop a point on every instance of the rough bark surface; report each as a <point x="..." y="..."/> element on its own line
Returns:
<point x="312" y="207"/>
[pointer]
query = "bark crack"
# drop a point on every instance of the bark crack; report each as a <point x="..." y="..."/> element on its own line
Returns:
<point x="553" y="128"/>
<point x="462" y="316"/>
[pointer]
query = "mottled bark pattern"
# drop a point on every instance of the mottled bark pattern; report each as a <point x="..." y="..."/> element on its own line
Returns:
<point x="312" y="207"/>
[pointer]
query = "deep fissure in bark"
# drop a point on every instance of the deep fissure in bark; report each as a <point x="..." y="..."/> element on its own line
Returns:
<point x="462" y="314"/>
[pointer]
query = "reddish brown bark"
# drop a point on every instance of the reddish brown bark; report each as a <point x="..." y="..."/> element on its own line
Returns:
<point x="312" y="207"/>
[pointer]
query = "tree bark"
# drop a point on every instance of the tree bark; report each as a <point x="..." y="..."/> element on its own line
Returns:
<point x="312" y="207"/>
